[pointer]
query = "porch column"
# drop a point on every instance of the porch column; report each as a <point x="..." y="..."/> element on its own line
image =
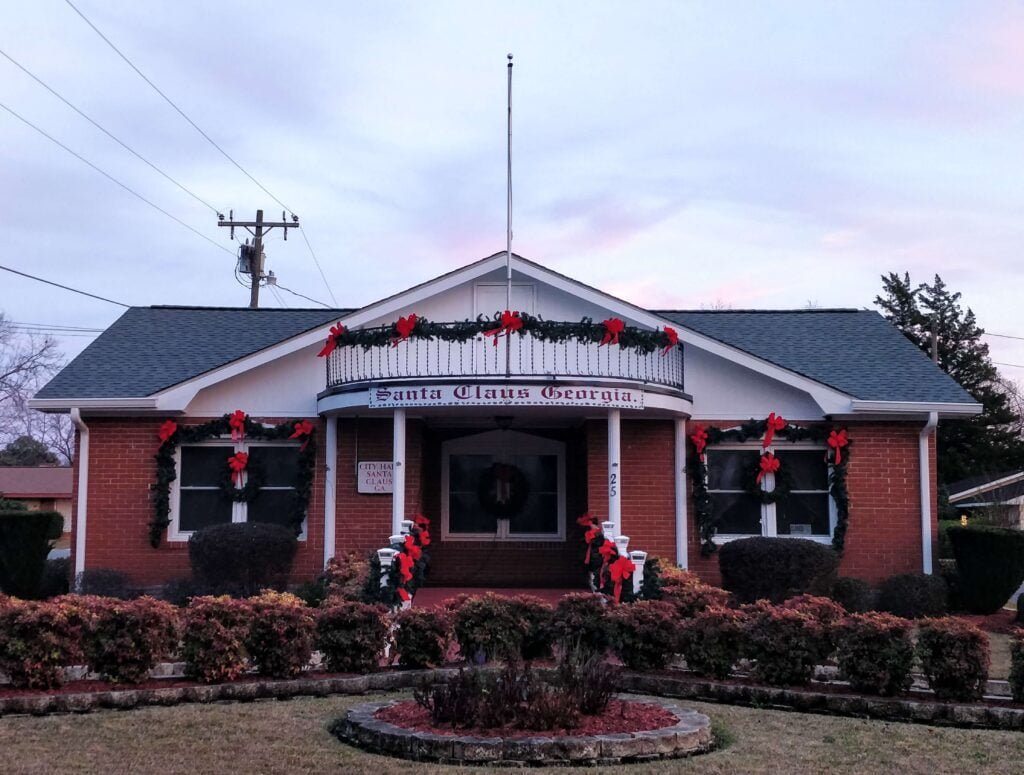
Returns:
<point x="682" y="517"/>
<point x="614" y="470"/>
<point x="398" y="475"/>
<point x="330" y="489"/>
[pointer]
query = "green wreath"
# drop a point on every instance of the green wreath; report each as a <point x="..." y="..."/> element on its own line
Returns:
<point x="518" y="491"/>
<point x="255" y="477"/>
<point x="783" y="484"/>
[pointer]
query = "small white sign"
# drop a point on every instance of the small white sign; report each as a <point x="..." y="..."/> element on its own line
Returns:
<point x="375" y="478"/>
<point x="384" y="396"/>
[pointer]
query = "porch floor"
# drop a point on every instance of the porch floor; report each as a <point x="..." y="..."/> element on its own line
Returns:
<point x="436" y="597"/>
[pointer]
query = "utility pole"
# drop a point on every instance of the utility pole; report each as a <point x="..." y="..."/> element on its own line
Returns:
<point x="257" y="229"/>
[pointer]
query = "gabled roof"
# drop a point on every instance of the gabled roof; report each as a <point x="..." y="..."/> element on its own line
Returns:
<point x="35" y="481"/>
<point x="987" y="489"/>
<point x="855" y="351"/>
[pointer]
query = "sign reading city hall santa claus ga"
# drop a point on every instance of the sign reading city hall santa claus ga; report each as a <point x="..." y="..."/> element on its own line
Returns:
<point x="384" y="397"/>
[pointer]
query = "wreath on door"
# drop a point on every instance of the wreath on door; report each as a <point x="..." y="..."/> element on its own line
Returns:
<point x="503" y="490"/>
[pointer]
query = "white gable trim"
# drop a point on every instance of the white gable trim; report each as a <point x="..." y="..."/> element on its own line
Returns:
<point x="995" y="484"/>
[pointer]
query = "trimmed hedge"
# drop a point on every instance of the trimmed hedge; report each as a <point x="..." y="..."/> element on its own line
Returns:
<point x="351" y="636"/>
<point x="643" y="634"/>
<point x="37" y="640"/>
<point x="875" y="652"/>
<point x="26" y="538"/>
<point x="954" y="658"/>
<point x="774" y="569"/>
<point x="1017" y="666"/>
<point x="580" y="624"/>
<point x="913" y="596"/>
<point x="537" y="616"/>
<point x="712" y="642"/>
<point x="242" y="558"/>
<point x="990" y="563"/>
<point x="422" y="637"/>
<point x="688" y="594"/>
<point x="785" y="643"/>
<point x="855" y="595"/>
<point x="213" y="640"/>
<point x="280" y="637"/>
<point x="489" y="626"/>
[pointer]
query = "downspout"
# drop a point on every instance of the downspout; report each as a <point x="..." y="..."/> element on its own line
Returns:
<point x="926" y="492"/>
<point x="330" y="487"/>
<point x="83" y="489"/>
<point x="682" y="560"/>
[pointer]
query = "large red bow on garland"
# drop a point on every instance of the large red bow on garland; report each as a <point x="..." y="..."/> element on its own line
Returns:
<point x="589" y="537"/>
<point x="769" y="465"/>
<point x="837" y="440"/>
<point x="673" y="339"/>
<point x="586" y="520"/>
<point x="771" y="425"/>
<point x="607" y="551"/>
<point x="302" y="428"/>
<point x="404" y="594"/>
<point x="405" y="563"/>
<point x="403" y="329"/>
<point x="332" y="340"/>
<point x="411" y="548"/>
<point x="612" y="328"/>
<point x="699" y="437"/>
<point x="237" y="463"/>
<point x="510" y="321"/>
<point x="621" y="570"/>
<point x="237" y="424"/>
<point x="168" y="429"/>
<point x="424" y="525"/>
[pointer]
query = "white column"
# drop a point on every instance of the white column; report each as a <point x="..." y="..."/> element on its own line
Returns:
<point x="81" y="513"/>
<point x="614" y="469"/>
<point x="926" y="492"/>
<point x="682" y="516"/>
<point x="398" y="476"/>
<point x="330" y="486"/>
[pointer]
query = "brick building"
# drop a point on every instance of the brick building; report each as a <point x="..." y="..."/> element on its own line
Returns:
<point x="503" y="441"/>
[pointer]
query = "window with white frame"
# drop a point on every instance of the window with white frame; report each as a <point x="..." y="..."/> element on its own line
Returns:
<point x="807" y="511"/>
<point x="197" y="501"/>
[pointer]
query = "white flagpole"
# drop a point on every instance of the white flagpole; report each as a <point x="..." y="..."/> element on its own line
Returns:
<point x="508" y="201"/>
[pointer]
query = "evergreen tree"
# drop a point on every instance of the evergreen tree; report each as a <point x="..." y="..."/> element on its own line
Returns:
<point x="26" y="451"/>
<point x="989" y="443"/>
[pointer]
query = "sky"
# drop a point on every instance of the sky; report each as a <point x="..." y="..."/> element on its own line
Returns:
<point x="679" y="155"/>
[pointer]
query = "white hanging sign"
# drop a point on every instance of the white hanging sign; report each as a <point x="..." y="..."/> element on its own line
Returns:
<point x="375" y="477"/>
<point x="472" y="394"/>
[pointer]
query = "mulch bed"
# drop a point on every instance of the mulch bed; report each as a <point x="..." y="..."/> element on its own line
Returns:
<point x="619" y="716"/>
<point x="1002" y="621"/>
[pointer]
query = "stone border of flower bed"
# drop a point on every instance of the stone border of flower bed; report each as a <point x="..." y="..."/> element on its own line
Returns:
<point x="689" y="736"/>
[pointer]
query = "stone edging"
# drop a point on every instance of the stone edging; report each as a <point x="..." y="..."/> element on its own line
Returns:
<point x="689" y="736"/>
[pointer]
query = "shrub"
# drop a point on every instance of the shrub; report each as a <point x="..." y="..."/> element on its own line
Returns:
<point x="827" y="613"/>
<point x="56" y="578"/>
<point x="1017" y="666"/>
<point x="345" y="579"/>
<point x="580" y="624"/>
<point x="104" y="582"/>
<point x="855" y="595"/>
<point x="26" y="538"/>
<point x="785" y="643"/>
<point x="422" y="637"/>
<point x="1020" y="608"/>
<point x="875" y="652"/>
<point x="37" y="640"/>
<point x="712" y="641"/>
<point x="688" y="594"/>
<point x="280" y="638"/>
<point x="242" y="558"/>
<point x="913" y="596"/>
<point x="124" y="639"/>
<point x="178" y="592"/>
<point x="990" y="563"/>
<point x="776" y="568"/>
<point x="489" y="626"/>
<point x="351" y="636"/>
<point x="644" y="634"/>
<point x="954" y="657"/>
<point x="213" y="639"/>
<point x="537" y="616"/>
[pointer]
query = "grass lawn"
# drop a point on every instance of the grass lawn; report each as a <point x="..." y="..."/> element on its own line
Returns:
<point x="291" y="737"/>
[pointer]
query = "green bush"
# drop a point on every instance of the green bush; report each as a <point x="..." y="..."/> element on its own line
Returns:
<point x="913" y="596"/>
<point x="688" y="594"/>
<point x="875" y="652"/>
<point x="1020" y="608"/>
<point x="37" y="640"/>
<point x="105" y="582"/>
<point x="124" y="639"/>
<point x="954" y="657"/>
<point x="776" y="568"/>
<point x="351" y="636"/>
<point x="26" y="538"/>
<point x="712" y="642"/>
<point x="855" y="595"/>
<point x="56" y="578"/>
<point x="786" y="644"/>
<point x="489" y="626"/>
<point x="213" y="638"/>
<point x="422" y="637"/>
<point x="990" y="562"/>
<point x="580" y="624"/>
<point x="644" y="634"/>
<point x="538" y="615"/>
<point x="1017" y="666"/>
<point x="242" y="558"/>
<point x="280" y="637"/>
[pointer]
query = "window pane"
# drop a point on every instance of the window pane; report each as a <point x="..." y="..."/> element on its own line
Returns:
<point x="464" y="472"/>
<point x="202" y="508"/>
<point x="274" y="506"/>
<point x="539" y="515"/>
<point x="738" y="513"/>
<point x="803" y="514"/>
<point x="808" y="470"/>
<point x="466" y="515"/>
<point x="280" y="463"/>
<point x="204" y="466"/>
<point x="541" y="471"/>
<point x="727" y="468"/>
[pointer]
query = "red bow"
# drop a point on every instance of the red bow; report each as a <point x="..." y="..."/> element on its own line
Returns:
<point x="838" y="440"/>
<point x="411" y="549"/>
<point x="769" y="465"/>
<point x="237" y="424"/>
<point x="591" y="534"/>
<point x="403" y="328"/>
<point x="421" y="521"/>
<point x="771" y="425"/>
<point x="168" y="429"/>
<point x="621" y="570"/>
<point x="237" y="463"/>
<point x="699" y="437"/>
<point x="332" y="340"/>
<point x="673" y="339"/>
<point x="424" y="537"/>
<point x="405" y="563"/>
<point x="612" y="328"/>
<point x="586" y="520"/>
<point x="510" y="321"/>
<point x="302" y="428"/>
<point x="404" y="594"/>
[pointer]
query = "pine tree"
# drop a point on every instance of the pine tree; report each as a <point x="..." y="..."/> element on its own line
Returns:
<point x="989" y="443"/>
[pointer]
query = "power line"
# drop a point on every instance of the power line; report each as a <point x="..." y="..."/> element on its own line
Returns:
<point x="105" y="131"/>
<point x="65" y="287"/>
<point x="111" y="178"/>
<point x="307" y="298"/>
<point x="319" y="268"/>
<point x="52" y="326"/>
<point x="1003" y="336"/>
<point x="1014" y="365"/>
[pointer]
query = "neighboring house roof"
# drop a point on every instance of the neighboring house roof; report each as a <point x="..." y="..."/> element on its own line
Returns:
<point x="988" y="490"/>
<point x="149" y="349"/>
<point x="855" y="351"/>
<point x="35" y="481"/>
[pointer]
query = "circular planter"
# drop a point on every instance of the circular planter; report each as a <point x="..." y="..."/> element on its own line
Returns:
<point x="690" y="735"/>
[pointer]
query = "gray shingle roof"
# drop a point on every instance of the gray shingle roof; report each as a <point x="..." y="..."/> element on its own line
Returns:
<point x="857" y="352"/>
<point x="149" y="349"/>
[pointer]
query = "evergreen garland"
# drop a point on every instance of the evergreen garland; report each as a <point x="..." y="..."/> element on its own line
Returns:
<point x="193" y="434"/>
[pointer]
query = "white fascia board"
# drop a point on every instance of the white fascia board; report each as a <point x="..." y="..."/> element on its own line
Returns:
<point x="995" y="484"/>
<point x="945" y="409"/>
<point x="93" y="404"/>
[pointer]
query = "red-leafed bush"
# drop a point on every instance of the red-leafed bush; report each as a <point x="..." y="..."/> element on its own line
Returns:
<point x="280" y="638"/>
<point x="124" y="639"/>
<point x="644" y="634"/>
<point x="712" y="641"/>
<point x="1017" y="666"/>
<point x="489" y="626"/>
<point x="537" y="617"/>
<point x="826" y="611"/>
<point x="213" y="639"/>
<point x="875" y="652"/>
<point x="351" y="636"/>
<point x="422" y="637"/>
<point x="580" y="624"/>
<point x="688" y="594"/>
<point x="954" y="657"/>
<point x="36" y="641"/>
<point x="785" y="643"/>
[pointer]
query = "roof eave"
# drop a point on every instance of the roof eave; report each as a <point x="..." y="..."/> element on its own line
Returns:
<point x="944" y="408"/>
